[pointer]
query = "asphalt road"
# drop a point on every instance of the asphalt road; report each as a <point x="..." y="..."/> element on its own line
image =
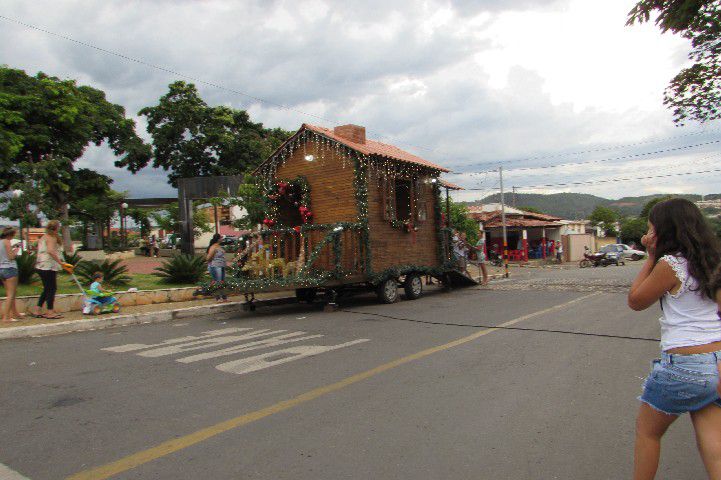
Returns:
<point x="391" y="396"/>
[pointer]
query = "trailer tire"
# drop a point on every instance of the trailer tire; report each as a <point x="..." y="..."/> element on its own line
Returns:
<point x="387" y="291"/>
<point x="306" y="295"/>
<point x="413" y="286"/>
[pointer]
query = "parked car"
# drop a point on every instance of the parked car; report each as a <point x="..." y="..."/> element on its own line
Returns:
<point x="624" y="250"/>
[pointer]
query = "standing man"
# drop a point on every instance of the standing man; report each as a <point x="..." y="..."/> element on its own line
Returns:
<point x="559" y="252"/>
<point x="481" y="256"/>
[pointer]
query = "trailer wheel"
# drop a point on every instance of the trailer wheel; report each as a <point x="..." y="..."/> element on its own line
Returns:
<point x="387" y="291"/>
<point x="413" y="286"/>
<point x="306" y="294"/>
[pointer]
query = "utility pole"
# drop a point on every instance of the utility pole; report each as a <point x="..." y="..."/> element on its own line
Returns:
<point x="514" y="196"/>
<point x="503" y="222"/>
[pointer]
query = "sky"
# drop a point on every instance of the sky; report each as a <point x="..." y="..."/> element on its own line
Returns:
<point x="470" y="85"/>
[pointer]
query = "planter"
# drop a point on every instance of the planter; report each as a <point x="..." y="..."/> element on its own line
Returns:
<point x="74" y="301"/>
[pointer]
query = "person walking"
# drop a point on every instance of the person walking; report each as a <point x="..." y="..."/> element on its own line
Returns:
<point x="215" y="256"/>
<point x="48" y="262"/>
<point x="153" y="246"/>
<point x="683" y="253"/>
<point x="9" y="274"/>
<point x="481" y="257"/>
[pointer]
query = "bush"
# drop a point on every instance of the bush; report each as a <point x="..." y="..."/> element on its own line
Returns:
<point x="114" y="272"/>
<point x="26" y="267"/>
<point x="182" y="269"/>
<point x="73" y="258"/>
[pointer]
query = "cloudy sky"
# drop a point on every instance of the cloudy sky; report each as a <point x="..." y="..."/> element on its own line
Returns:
<point x="467" y="84"/>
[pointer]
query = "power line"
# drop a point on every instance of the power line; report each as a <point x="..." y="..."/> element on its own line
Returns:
<point x="582" y="152"/>
<point x="586" y="162"/>
<point x="609" y="180"/>
<point x="295" y="110"/>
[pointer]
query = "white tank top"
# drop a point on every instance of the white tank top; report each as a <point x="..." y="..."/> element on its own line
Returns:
<point x="689" y="317"/>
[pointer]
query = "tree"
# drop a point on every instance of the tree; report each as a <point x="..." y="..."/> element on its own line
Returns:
<point x="463" y="223"/>
<point x="530" y="209"/>
<point x="251" y="201"/>
<point x="632" y="229"/>
<point x="168" y="219"/>
<point x="650" y="204"/>
<point x="605" y="218"/>
<point x="695" y="92"/>
<point x="45" y="126"/>
<point x="193" y="139"/>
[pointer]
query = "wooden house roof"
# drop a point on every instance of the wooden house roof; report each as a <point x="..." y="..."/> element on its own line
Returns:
<point x="370" y="147"/>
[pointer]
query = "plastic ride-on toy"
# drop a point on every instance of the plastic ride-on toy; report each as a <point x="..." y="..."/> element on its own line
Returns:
<point x="99" y="303"/>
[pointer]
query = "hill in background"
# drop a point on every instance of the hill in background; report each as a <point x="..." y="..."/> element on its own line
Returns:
<point x="580" y="205"/>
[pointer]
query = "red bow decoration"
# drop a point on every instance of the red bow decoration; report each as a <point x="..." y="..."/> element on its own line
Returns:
<point x="268" y="222"/>
<point x="297" y="228"/>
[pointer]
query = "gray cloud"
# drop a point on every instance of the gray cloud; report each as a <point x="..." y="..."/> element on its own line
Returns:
<point x="390" y="66"/>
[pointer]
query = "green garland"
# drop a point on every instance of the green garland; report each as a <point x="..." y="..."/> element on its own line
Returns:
<point x="297" y="187"/>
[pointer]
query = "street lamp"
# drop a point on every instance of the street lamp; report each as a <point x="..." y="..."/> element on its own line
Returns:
<point x="123" y="233"/>
<point x="18" y="194"/>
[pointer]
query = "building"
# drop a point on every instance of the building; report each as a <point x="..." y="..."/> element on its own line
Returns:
<point x="529" y="234"/>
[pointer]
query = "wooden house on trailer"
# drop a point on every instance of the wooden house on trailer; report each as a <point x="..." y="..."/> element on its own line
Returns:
<point x="345" y="212"/>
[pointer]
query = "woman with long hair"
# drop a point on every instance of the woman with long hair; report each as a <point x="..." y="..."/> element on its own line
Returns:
<point x="9" y="274"/>
<point x="215" y="256"/>
<point x="48" y="262"/>
<point x="683" y="254"/>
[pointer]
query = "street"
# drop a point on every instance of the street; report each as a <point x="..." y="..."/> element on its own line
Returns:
<point x="417" y="389"/>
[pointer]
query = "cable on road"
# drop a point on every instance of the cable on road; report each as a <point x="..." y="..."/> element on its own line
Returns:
<point x="541" y="330"/>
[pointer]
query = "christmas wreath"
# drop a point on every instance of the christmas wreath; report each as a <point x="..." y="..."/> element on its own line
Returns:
<point x="296" y="192"/>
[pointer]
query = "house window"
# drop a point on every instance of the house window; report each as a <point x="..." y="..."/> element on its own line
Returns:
<point x="404" y="207"/>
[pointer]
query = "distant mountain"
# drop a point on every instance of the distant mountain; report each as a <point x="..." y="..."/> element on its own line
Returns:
<point x="580" y="205"/>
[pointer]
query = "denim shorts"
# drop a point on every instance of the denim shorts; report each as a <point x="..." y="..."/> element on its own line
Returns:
<point x="217" y="273"/>
<point x="6" y="273"/>
<point x="682" y="383"/>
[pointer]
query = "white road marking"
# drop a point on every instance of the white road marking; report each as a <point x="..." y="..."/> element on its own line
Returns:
<point x="259" y="362"/>
<point x="245" y="347"/>
<point x="215" y="338"/>
<point x="131" y="347"/>
<point x="205" y="343"/>
<point x="6" y="473"/>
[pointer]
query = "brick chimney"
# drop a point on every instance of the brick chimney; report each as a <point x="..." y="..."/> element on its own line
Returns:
<point x="354" y="133"/>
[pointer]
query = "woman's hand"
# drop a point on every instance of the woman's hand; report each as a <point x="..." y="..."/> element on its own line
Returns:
<point x="649" y="241"/>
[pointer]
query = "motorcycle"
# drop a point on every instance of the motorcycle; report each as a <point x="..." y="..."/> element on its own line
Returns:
<point x="495" y="259"/>
<point x="600" y="259"/>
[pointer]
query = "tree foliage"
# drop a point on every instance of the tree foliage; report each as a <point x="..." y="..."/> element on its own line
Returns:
<point x="168" y="219"/>
<point x="605" y="218"/>
<point x="650" y="204"/>
<point x="193" y="139"/>
<point x="46" y="124"/>
<point x="632" y="229"/>
<point x="695" y="92"/>
<point x="463" y="223"/>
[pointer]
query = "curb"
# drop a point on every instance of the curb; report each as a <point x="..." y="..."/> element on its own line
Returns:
<point x="117" y="321"/>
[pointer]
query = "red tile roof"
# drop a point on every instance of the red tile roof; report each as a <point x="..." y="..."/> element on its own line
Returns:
<point x="527" y="219"/>
<point x="519" y="222"/>
<point x="450" y="186"/>
<point x="371" y="147"/>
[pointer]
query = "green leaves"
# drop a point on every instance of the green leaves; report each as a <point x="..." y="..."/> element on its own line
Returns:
<point x="695" y="92"/>
<point x="114" y="272"/>
<point x="182" y="269"/>
<point x="193" y="139"/>
<point x="605" y="218"/>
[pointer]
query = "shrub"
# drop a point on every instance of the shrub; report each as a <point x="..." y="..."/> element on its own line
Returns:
<point x="73" y="258"/>
<point x="26" y="267"/>
<point x="114" y="272"/>
<point x="182" y="269"/>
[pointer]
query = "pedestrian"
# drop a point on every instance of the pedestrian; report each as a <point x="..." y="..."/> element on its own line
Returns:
<point x="215" y="256"/>
<point x="47" y="264"/>
<point x="481" y="257"/>
<point x="683" y="253"/>
<point x="459" y="251"/>
<point x="9" y="274"/>
<point x="559" y="252"/>
<point x="153" y="246"/>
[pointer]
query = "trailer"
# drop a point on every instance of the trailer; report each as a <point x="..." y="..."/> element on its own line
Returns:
<point x="346" y="214"/>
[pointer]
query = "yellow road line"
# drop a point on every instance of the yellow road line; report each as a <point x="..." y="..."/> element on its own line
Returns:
<point x="170" y="446"/>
